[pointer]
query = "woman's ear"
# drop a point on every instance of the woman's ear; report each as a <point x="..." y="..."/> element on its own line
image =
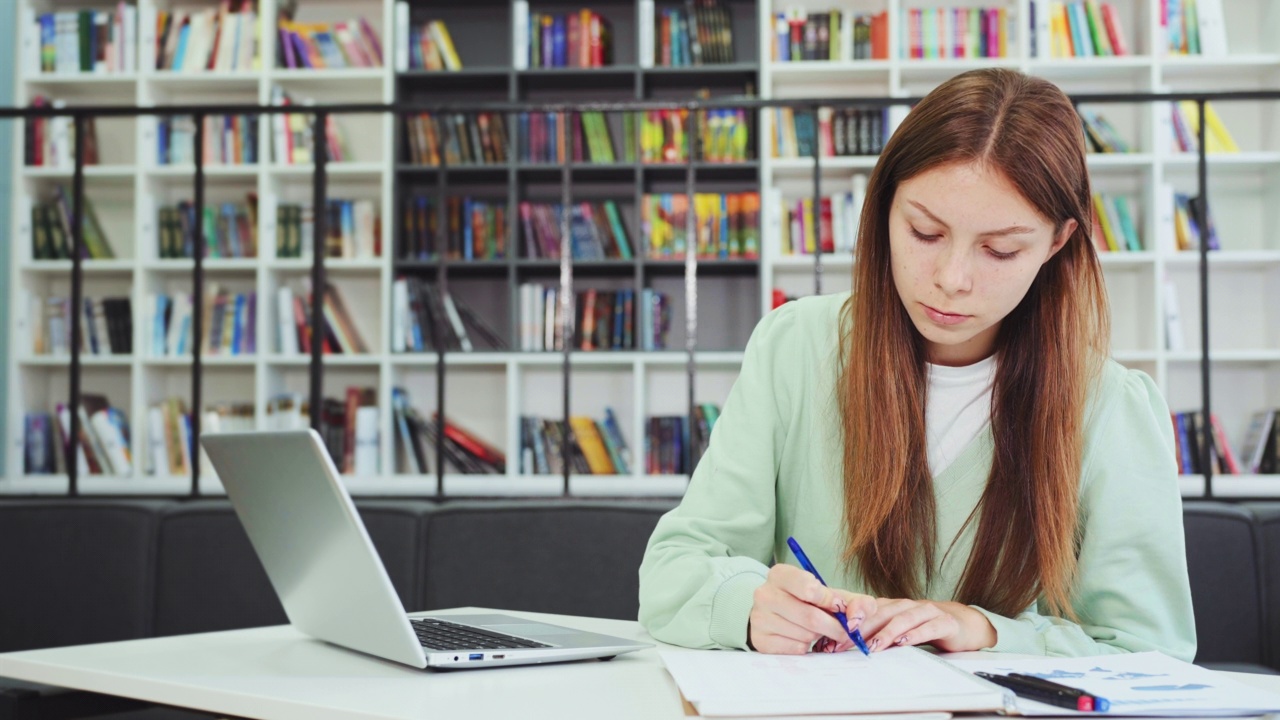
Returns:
<point x="1068" y="228"/>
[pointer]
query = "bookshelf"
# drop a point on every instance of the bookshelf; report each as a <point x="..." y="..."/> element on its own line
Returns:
<point x="489" y="390"/>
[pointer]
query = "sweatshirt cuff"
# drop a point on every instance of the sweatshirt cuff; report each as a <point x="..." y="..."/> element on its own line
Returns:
<point x="731" y="608"/>
<point x="1012" y="635"/>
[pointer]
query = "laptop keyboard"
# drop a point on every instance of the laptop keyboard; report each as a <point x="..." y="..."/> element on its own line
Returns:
<point x="436" y="634"/>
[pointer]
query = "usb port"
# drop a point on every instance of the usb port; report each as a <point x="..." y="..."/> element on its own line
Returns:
<point x="498" y="657"/>
<point x="476" y="656"/>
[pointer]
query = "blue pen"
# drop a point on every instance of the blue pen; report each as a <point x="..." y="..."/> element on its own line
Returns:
<point x="854" y="635"/>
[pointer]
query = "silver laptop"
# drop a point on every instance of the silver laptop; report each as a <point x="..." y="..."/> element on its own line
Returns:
<point x="319" y="558"/>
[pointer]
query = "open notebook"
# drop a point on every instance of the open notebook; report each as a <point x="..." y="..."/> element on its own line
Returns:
<point x="910" y="680"/>
<point x="896" y="680"/>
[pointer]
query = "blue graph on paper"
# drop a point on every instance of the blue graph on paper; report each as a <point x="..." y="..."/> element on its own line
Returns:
<point x="1172" y="688"/>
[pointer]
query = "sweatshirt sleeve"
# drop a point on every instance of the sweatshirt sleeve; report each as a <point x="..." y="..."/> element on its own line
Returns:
<point x="707" y="556"/>
<point x="1132" y="592"/>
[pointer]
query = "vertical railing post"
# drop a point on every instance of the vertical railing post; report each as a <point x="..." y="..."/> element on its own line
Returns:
<point x="567" y="300"/>
<point x="690" y="281"/>
<point x="442" y="286"/>
<point x="77" y="302"/>
<point x="197" y="304"/>
<point x="817" y="203"/>
<point x="319" y="213"/>
<point x="1200" y="206"/>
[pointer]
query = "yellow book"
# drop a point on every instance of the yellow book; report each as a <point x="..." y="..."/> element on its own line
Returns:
<point x="1057" y="33"/>
<point x="1216" y="141"/>
<point x="807" y="226"/>
<point x="785" y="227"/>
<point x="440" y="34"/>
<point x="592" y="445"/>
<point x="1182" y="229"/>
<point x="1218" y="130"/>
<point x="1064" y="27"/>
<point x="1108" y="233"/>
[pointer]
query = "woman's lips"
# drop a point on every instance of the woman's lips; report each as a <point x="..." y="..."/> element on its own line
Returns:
<point x="943" y="318"/>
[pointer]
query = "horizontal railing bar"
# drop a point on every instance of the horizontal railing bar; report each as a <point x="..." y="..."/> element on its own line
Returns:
<point x="601" y="106"/>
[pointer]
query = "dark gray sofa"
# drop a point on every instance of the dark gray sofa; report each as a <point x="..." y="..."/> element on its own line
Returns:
<point x="82" y="571"/>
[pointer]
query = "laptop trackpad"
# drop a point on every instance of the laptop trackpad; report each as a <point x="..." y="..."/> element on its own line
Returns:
<point x="531" y="629"/>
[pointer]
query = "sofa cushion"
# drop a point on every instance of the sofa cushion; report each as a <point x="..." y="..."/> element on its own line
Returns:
<point x="208" y="577"/>
<point x="75" y="571"/>
<point x="1224" y="565"/>
<point x="569" y="557"/>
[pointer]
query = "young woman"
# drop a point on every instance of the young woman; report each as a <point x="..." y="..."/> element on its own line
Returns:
<point x="949" y="443"/>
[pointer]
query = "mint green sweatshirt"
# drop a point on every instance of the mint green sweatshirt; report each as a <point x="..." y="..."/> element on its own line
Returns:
<point x="773" y="470"/>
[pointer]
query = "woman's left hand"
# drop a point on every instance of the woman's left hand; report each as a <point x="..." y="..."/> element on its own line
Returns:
<point x="948" y="626"/>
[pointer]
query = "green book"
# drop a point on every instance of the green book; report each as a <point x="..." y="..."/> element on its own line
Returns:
<point x="1126" y="222"/>
<point x="57" y="233"/>
<point x="95" y="238"/>
<point x="1097" y="31"/>
<point x="629" y="136"/>
<point x="41" y="243"/>
<point x="210" y="224"/>
<point x="86" y="28"/>
<point x="619" y="231"/>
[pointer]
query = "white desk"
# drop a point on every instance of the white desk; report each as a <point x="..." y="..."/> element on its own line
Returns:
<point x="280" y="674"/>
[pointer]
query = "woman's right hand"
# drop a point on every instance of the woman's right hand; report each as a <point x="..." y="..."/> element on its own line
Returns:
<point x="792" y="610"/>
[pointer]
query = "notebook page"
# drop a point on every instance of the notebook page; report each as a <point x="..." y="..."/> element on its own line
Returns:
<point x="896" y="680"/>
<point x="1137" y="684"/>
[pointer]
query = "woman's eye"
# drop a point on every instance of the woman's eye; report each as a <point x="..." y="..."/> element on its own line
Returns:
<point x="921" y="236"/>
<point x="1002" y="255"/>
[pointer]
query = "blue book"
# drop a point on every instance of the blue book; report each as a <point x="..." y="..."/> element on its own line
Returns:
<point x="468" y="230"/>
<point x="162" y="142"/>
<point x="1080" y="30"/>
<point x="537" y="438"/>
<point x="89" y="28"/>
<point x="158" y="325"/>
<point x="616" y="335"/>
<point x="560" y="57"/>
<point x="547" y="45"/>
<point x="724" y="226"/>
<point x="237" y="324"/>
<point x="184" y="336"/>
<point x="616" y="445"/>
<point x="348" y="209"/>
<point x="48" y="43"/>
<point x="180" y="54"/>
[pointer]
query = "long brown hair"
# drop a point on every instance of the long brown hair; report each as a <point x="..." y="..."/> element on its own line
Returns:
<point x="1049" y="350"/>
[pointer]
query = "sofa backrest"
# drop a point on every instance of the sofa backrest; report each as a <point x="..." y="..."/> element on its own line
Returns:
<point x="566" y="557"/>
<point x="81" y="571"/>
<point x="75" y="572"/>
<point x="1223" y="560"/>
<point x="1268" y="523"/>
<point x="208" y="577"/>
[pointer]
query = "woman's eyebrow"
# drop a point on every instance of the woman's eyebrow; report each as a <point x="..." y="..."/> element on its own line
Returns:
<point x="1011" y="230"/>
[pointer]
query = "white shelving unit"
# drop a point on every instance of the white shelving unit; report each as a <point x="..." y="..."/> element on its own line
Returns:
<point x="488" y="392"/>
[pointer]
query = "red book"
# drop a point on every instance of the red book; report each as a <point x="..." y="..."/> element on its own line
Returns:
<point x="595" y="48"/>
<point x="574" y="32"/>
<point x="825" y="233"/>
<point x="349" y="431"/>
<point x="300" y="322"/>
<point x="1112" y="22"/>
<point x="471" y="444"/>
<point x="880" y="36"/>
<point x="1227" y="457"/>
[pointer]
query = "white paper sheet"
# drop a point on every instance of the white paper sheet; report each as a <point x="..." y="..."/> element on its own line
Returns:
<point x="1149" y="683"/>
<point x="720" y="683"/>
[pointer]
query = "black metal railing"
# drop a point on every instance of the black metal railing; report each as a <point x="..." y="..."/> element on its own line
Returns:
<point x="321" y="113"/>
